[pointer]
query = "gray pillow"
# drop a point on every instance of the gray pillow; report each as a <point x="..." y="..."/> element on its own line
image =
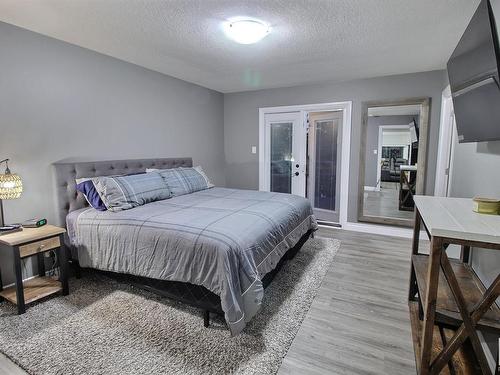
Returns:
<point x="125" y="192"/>
<point x="182" y="181"/>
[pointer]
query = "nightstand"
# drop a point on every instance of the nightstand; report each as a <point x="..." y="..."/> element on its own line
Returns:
<point x="32" y="242"/>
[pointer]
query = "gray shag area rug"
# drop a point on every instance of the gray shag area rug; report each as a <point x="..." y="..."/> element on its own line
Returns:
<point x="106" y="327"/>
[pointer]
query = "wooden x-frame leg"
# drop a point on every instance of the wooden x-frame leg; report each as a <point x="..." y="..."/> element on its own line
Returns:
<point x="470" y="319"/>
<point x="430" y="306"/>
<point x="439" y="260"/>
<point x="467" y="329"/>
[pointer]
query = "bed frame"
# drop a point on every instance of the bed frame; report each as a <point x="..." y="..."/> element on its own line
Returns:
<point x="68" y="199"/>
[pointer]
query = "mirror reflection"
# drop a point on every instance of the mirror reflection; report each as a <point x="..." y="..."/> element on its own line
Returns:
<point x="391" y="161"/>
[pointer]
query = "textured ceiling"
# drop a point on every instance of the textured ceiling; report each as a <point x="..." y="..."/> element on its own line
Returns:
<point x="311" y="40"/>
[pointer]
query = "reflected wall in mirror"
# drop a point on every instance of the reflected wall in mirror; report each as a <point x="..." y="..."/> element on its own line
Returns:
<point x="392" y="160"/>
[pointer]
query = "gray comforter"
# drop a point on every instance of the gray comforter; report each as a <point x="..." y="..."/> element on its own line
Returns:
<point x="223" y="239"/>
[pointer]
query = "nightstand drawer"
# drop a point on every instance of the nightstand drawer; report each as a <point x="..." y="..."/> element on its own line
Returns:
<point x="39" y="246"/>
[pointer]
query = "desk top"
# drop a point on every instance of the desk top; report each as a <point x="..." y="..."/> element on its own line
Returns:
<point x="405" y="167"/>
<point x="31" y="234"/>
<point x="454" y="218"/>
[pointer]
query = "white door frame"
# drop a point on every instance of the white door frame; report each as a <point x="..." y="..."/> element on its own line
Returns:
<point x="446" y="145"/>
<point x="379" y="149"/>
<point x="346" y="108"/>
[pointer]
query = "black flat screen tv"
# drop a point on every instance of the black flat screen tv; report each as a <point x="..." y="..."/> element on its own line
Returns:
<point x="473" y="70"/>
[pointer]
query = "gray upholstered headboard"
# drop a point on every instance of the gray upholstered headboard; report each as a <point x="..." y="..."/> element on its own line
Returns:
<point x="68" y="199"/>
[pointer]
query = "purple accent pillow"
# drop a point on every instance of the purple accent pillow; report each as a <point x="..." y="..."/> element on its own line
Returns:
<point x="88" y="189"/>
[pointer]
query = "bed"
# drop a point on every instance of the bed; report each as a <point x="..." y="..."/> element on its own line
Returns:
<point x="215" y="249"/>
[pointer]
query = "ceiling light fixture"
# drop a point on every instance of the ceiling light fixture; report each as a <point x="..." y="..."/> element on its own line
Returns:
<point x="246" y="31"/>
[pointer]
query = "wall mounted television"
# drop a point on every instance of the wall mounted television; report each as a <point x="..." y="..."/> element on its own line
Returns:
<point x="473" y="71"/>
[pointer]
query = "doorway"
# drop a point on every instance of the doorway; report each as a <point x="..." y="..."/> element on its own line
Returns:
<point x="304" y="150"/>
<point x="448" y="138"/>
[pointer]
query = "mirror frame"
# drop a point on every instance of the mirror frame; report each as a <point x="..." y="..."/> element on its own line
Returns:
<point x="425" y="104"/>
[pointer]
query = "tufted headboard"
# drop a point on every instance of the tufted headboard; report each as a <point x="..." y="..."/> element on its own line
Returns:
<point x="68" y="199"/>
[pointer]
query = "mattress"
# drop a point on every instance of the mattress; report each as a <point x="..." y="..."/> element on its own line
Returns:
<point x="223" y="239"/>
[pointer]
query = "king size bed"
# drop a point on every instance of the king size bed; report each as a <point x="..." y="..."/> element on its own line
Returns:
<point x="215" y="248"/>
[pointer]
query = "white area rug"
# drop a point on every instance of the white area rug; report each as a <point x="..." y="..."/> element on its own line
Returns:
<point x="105" y="327"/>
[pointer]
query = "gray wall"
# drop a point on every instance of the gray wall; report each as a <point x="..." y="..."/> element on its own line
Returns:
<point x="241" y="120"/>
<point x="60" y="101"/>
<point x="372" y="132"/>
<point x="475" y="172"/>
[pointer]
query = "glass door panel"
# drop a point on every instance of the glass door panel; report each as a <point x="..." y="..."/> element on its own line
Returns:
<point x="284" y="161"/>
<point x="281" y="157"/>
<point x="324" y="156"/>
<point x="326" y="134"/>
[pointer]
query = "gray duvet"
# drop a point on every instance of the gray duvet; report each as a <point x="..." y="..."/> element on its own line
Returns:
<point x="223" y="239"/>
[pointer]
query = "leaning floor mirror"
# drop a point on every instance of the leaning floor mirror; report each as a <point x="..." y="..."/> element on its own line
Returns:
<point x="392" y="159"/>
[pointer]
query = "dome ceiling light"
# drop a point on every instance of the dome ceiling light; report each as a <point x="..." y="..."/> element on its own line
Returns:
<point x="246" y="31"/>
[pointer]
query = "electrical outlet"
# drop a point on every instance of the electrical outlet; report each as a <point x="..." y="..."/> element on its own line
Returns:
<point x="254" y="149"/>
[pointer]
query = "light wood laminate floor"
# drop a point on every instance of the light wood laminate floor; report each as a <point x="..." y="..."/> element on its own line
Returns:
<point x="359" y="322"/>
<point x="385" y="203"/>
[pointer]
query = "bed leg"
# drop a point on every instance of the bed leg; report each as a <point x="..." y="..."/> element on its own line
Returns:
<point x="76" y="269"/>
<point x="206" y="318"/>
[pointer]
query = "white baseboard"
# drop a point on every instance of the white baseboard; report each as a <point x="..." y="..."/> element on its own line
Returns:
<point x="27" y="279"/>
<point x="47" y="273"/>
<point x="385" y="230"/>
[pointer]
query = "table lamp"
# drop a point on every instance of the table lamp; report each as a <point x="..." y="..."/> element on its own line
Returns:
<point x="11" y="187"/>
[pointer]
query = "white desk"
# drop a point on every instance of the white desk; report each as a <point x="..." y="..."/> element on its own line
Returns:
<point x="449" y="293"/>
<point x="404" y="167"/>
<point x="453" y="218"/>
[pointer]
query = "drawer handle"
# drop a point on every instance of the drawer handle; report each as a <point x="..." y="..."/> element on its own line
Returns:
<point x="41" y="246"/>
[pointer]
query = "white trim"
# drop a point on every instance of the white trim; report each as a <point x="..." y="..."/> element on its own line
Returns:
<point x="445" y="145"/>
<point x="372" y="188"/>
<point x="346" y="108"/>
<point x="24" y="280"/>
<point x="378" y="183"/>
<point x="384" y="230"/>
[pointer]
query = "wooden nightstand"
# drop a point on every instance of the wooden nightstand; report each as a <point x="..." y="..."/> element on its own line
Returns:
<point x="28" y="243"/>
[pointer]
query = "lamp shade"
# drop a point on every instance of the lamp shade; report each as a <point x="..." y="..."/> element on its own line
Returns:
<point x="11" y="186"/>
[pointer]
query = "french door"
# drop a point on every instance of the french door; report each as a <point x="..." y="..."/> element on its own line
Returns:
<point x="324" y="163"/>
<point x="285" y="153"/>
<point x="302" y="156"/>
